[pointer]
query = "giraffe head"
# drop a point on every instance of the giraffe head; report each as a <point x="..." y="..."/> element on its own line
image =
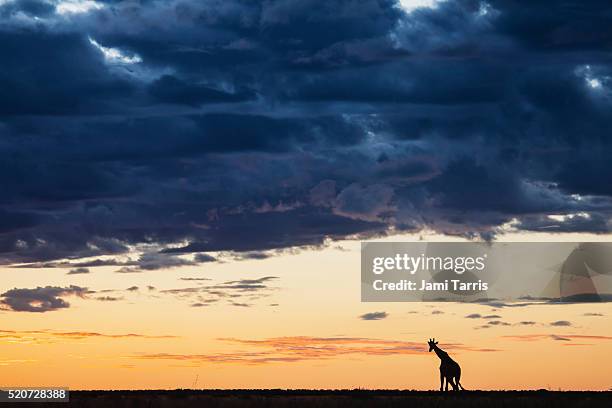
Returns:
<point x="432" y="344"/>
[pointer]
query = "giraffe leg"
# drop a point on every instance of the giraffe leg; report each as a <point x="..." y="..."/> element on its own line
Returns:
<point x="453" y="381"/>
<point x="458" y="382"/>
<point x="446" y="386"/>
<point x="441" y="381"/>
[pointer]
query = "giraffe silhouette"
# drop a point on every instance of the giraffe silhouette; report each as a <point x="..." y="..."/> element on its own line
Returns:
<point x="449" y="368"/>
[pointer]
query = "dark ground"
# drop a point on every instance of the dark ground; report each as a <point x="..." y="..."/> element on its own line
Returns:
<point x="332" y="399"/>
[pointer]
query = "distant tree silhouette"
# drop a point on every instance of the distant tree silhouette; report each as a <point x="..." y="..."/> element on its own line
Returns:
<point x="449" y="368"/>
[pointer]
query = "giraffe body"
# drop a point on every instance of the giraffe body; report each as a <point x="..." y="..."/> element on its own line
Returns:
<point x="450" y="371"/>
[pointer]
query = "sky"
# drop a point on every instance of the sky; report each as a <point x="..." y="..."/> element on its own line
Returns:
<point x="185" y="185"/>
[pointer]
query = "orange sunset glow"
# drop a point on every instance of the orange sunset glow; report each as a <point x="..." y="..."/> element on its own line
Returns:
<point x="301" y="328"/>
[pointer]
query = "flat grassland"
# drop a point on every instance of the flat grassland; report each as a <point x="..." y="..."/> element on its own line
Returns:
<point x="334" y="399"/>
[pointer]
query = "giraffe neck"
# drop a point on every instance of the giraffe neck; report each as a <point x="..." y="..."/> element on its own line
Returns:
<point x="441" y="353"/>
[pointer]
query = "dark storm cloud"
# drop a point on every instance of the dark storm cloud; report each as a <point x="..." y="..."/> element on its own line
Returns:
<point x="248" y="284"/>
<point x="582" y="221"/>
<point x="559" y="338"/>
<point x="28" y="7"/>
<point x="257" y="231"/>
<point x="251" y="256"/>
<point x="498" y="323"/>
<point x="559" y="25"/>
<point x="40" y="299"/>
<point x="11" y="221"/>
<point x="235" y="293"/>
<point x="76" y="265"/>
<point x="173" y="90"/>
<point x="568" y="337"/>
<point x="374" y="316"/>
<point x="58" y="86"/>
<point x="560" y="323"/>
<point x="479" y="316"/>
<point x="200" y="126"/>
<point x="79" y="270"/>
<point x="152" y="261"/>
<point x="109" y="298"/>
<point x="204" y="258"/>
